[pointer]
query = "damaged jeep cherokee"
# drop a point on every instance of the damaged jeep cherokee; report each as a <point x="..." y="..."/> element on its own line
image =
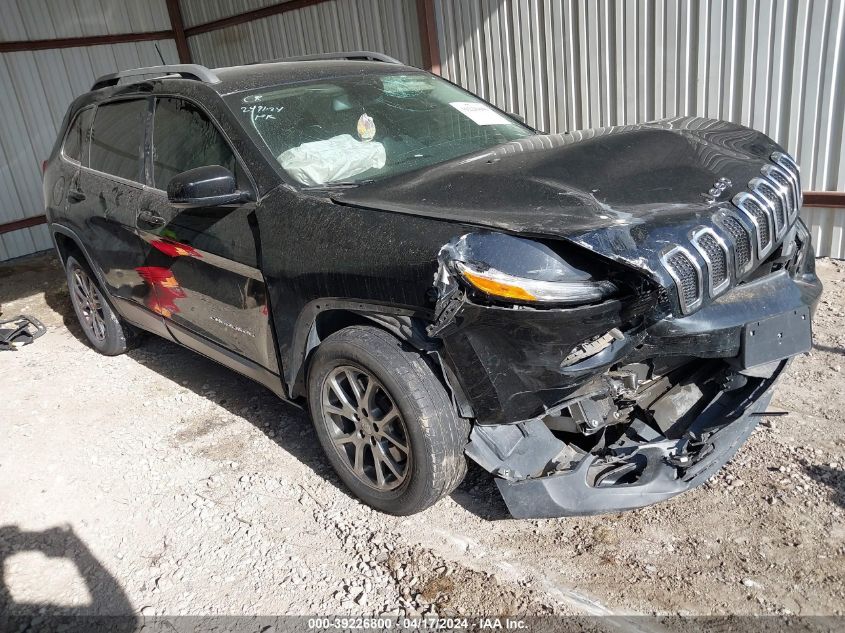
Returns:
<point x="597" y="318"/>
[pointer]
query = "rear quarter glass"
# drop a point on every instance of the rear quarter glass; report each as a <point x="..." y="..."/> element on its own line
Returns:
<point x="76" y="141"/>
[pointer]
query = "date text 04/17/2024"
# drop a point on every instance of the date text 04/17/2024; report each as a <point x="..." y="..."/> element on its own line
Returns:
<point x="418" y="624"/>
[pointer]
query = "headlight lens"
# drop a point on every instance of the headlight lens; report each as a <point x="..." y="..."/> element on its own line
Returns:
<point x="516" y="269"/>
<point x="498" y="284"/>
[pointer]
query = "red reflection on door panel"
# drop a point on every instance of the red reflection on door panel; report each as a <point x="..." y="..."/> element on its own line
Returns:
<point x="165" y="289"/>
<point x="175" y="249"/>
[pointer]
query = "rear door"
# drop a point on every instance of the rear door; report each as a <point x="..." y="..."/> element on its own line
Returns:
<point x="106" y="193"/>
<point x="203" y="262"/>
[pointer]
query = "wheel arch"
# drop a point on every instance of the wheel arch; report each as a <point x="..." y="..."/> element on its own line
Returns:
<point x="67" y="243"/>
<point x="322" y="318"/>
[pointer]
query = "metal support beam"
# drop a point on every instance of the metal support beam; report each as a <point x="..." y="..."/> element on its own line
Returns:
<point x="174" y="11"/>
<point x="428" y="35"/>
<point x="830" y="199"/>
<point x="22" y="224"/>
<point x="90" y="40"/>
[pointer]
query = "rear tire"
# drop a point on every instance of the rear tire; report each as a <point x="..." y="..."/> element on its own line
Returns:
<point x="104" y="329"/>
<point x="377" y="406"/>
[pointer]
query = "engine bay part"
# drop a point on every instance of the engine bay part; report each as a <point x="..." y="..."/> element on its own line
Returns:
<point x="640" y="434"/>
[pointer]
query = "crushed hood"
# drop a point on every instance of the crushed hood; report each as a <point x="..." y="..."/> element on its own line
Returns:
<point x="626" y="192"/>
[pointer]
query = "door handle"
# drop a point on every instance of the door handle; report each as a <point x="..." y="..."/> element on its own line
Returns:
<point x="151" y="218"/>
<point x="75" y="195"/>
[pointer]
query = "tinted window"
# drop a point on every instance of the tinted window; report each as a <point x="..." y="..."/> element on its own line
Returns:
<point x="76" y="141"/>
<point x="184" y="138"/>
<point x="118" y="136"/>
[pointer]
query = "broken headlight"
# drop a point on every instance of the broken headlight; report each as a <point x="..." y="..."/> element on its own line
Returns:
<point x="802" y="233"/>
<point x="506" y="267"/>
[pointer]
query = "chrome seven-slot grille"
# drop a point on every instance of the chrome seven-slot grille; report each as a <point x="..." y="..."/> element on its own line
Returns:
<point x="689" y="279"/>
<point x="741" y="237"/>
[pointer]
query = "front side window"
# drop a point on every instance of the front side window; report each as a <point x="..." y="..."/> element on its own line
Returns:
<point x="78" y="136"/>
<point x="185" y="138"/>
<point x="353" y="129"/>
<point x="116" y="145"/>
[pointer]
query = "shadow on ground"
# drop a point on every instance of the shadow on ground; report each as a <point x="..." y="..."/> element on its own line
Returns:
<point x="25" y="276"/>
<point x="479" y="495"/>
<point x="107" y="598"/>
<point x="829" y="348"/>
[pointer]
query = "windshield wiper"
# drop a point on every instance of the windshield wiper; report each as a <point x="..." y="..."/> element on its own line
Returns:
<point x="340" y="184"/>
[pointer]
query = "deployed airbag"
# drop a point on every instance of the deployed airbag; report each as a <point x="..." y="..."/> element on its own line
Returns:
<point x="338" y="158"/>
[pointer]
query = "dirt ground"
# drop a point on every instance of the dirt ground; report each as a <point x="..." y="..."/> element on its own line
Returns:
<point x="161" y="483"/>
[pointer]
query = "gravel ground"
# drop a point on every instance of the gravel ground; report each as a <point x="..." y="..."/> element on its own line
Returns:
<point x="160" y="483"/>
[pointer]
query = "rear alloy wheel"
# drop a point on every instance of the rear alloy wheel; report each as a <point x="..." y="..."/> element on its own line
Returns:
<point x="88" y="304"/>
<point x="103" y="328"/>
<point x="385" y="421"/>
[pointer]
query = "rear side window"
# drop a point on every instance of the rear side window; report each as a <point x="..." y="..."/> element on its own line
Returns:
<point x="78" y="135"/>
<point x="117" y="142"/>
<point x="184" y="138"/>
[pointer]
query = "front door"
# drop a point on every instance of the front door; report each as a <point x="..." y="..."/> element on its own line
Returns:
<point x="203" y="262"/>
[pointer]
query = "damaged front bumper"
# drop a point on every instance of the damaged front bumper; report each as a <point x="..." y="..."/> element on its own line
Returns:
<point x="644" y="448"/>
<point x="597" y="484"/>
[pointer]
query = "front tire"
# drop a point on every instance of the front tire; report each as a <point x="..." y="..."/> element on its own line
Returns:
<point x="385" y="421"/>
<point x="104" y="329"/>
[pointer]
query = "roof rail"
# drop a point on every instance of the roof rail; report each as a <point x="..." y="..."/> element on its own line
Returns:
<point x="365" y="56"/>
<point x="186" y="71"/>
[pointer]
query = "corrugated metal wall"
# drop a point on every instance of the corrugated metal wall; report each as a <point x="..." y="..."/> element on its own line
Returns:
<point x="775" y="65"/>
<point x="38" y="86"/>
<point x="828" y="229"/>
<point x="50" y="19"/>
<point x="388" y="26"/>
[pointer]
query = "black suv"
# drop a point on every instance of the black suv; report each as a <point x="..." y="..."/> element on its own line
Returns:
<point x="597" y="318"/>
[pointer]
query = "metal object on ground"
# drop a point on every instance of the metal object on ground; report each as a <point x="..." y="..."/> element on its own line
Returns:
<point x="23" y="331"/>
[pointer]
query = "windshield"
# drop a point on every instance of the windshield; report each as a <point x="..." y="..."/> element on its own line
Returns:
<point x="353" y="129"/>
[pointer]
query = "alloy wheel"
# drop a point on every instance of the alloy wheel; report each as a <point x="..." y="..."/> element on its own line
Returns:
<point x="366" y="428"/>
<point x="89" y="304"/>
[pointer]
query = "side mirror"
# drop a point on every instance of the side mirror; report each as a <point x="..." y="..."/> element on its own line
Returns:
<point x="208" y="186"/>
<point x="516" y="116"/>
